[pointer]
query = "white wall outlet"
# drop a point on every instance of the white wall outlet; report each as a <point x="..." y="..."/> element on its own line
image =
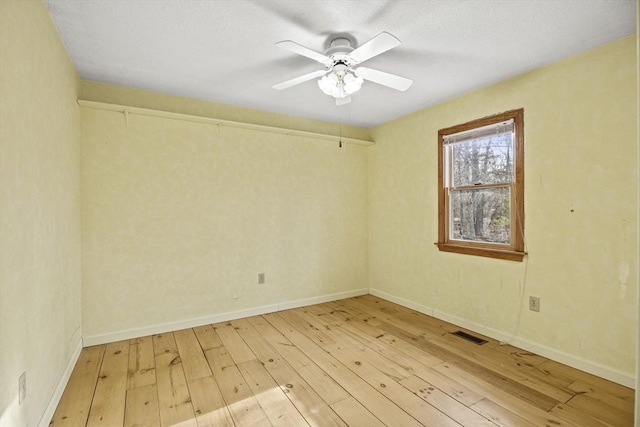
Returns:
<point x="260" y="278"/>
<point x="534" y="303"/>
<point x="22" y="387"/>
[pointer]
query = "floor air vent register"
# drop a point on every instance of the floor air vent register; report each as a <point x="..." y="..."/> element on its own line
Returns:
<point x="469" y="337"/>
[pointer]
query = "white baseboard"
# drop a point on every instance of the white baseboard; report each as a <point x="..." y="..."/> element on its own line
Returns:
<point x="625" y="378"/>
<point x="57" y="394"/>
<point x="216" y="318"/>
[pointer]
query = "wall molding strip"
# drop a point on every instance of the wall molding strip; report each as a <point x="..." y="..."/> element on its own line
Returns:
<point x="126" y="110"/>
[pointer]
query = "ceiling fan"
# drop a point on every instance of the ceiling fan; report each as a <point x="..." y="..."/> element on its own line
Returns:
<point x="343" y="75"/>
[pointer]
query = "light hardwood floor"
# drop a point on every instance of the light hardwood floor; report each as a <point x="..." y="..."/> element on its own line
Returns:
<point x="357" y="362"/>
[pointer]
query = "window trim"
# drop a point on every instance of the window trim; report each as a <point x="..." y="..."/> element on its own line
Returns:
<point x="514" y="251"/>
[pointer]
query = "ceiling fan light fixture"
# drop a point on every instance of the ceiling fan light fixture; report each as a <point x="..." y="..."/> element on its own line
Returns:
<point x="340" y="84"/>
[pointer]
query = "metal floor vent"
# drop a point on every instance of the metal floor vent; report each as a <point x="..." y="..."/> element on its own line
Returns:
<point x="469" y="337"/>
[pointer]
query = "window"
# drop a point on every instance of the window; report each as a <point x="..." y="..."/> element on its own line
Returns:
<point x="481" y="187"/>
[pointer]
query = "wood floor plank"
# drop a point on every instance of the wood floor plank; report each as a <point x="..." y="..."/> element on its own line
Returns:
<point x="354" y="414"/>
<point x="264" y="328"/>
<point x="444" y="403"/>
<point x="207" y="337"/>
<point x="401" y="316"/>
<point x="371" y="337"/>
<point x="577" y="417"/>
<point x="530" y="363"/>
<point x="385" y="410"/>
<point x="75" y="403"/>
<point x="296" y="358"/>
<point x="244" y="328"/>
<point x="526" y="378"/>
<point x="173" y="394"/>
<point x="475" y="369"/>
<point x="142" y="365"/>
<point x="234" y="344"/>
<point x="218" y="359"/>
<point x="303" y="388"/>
<point x="512" y="367"/>
<point x="361" y="361"/>
<point x="352" y="350"/>
<point x="501" y="416"/>
<point x="519" y="363"/>
<point x="164" y="343"/>
<point x="141" y="409"/>
<point x="107" y="408"/>
<point x="602" y="410"/>
<point x="208" y="403"/>
<point x="272" y="399"/>
<point x="522" y="407"/>
<point x="572" y="374"/>
<point x="498" y="367"/>
<point x="193" y="361"/>
<point x="243" y="406"/>
<point x="367" y="366"/>
<point x="410" y="357"/>
<point x="421" y="325"/>
<point x="527" y="357"/>
<point x="624" y="404"/>
<point x="326" y="387"/>
<point x="317" y="334"/>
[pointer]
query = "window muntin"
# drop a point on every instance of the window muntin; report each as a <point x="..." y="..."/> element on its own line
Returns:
<point x="481" y="200"/>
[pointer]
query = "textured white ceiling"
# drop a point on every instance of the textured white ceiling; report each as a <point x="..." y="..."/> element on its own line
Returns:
<point x="224" y="51"/>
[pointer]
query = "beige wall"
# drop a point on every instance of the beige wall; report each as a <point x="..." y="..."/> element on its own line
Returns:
<point x="39" y="210"/>
<point x="581" y="187"/>
<point x="179" y="218"/>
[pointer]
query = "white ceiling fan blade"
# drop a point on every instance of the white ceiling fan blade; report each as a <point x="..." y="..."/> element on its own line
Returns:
<point x="298" y="80"/>
<point x="343" y="101"/>
<point x="377" y="45"/>
<point x="390" y="80"/>
<point x="304" y="51"/>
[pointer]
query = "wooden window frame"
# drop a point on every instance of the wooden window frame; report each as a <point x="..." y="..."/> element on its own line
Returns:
<point x="513" y="251"/>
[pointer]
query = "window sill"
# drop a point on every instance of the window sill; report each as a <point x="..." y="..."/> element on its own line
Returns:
<point x="507" y="254"/>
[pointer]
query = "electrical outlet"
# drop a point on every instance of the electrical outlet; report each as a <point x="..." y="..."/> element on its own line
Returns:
<point x="22" y="387"/>
<point x="260" y="278"/>
<point x="534" y="303"/>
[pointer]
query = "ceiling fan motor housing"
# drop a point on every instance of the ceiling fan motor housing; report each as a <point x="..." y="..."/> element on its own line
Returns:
<point x="340" y="67"/>
<point x="339" y="51"/>
<point x="339" y="45"/>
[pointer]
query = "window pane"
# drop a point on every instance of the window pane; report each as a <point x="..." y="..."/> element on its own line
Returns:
<point x="481" y="215"/>
<point x="483" y="161"/>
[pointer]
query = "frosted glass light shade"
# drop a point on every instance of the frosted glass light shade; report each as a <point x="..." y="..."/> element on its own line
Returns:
<point x="340" y="85"/>
<point x="352" y="83"/>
